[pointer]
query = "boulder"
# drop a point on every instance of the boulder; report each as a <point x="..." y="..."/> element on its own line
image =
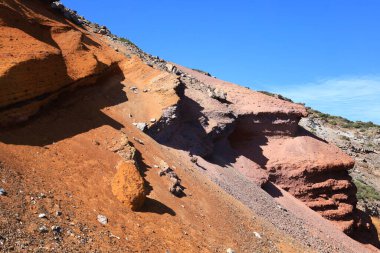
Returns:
<point x="171" y="68"/>
<point x="141" y="125"/>
<point x="128" y="185"/>
<point x="217" y="94"/>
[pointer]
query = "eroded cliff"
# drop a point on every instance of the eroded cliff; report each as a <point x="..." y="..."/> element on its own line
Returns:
<point x="106" y="91"/>
<point x="43" y="55"/>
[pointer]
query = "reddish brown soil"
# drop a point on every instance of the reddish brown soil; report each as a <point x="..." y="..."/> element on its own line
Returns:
<point x="88" y="97"/>
<point x="56" y="154"/>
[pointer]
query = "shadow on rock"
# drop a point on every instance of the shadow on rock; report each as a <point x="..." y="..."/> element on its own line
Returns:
<point x="143" y="168"/>
<point x="73" y="113"/>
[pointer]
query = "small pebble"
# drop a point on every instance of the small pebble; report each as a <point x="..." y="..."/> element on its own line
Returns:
<point x="56" y="229"/>
<point x="257" y="235"/>
<point x="229" y="250"/>
<point x="43" y="229"/>
<point x="42" y="215"/>
<point x="102" y="219"/>
<point x="2" y="192"/>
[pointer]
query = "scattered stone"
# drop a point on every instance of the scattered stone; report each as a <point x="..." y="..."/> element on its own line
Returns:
<point x="2" y="192"/>
<point x="152" y="120"/>
<point x="43" y="229"/>
<point x="282" y="208"/>
<point x="128" y="185"/>
<point x="217" y="94"/>
<point x="170" y="67"/>
<point x="193" y="159"/>
<point x="257" y="235"/>
<point x="42" y="216"/>
<point x="141" y="125"/>
<point x="164" y="166"/>
<point x="138" y="140"/>
<point x="176" y="190"/>
<point x="2" y="240"/>
<point x="58" y="213"/>
<point x="114" y="236"/>
<point x="102" y="31"/>
<point x="229" y="250"/>
<point x="56" y="229"/>
<point x="102" y="219"/>
<point x="57" y="5"/>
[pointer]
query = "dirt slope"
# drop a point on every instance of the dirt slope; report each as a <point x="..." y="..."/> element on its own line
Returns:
<point x="58" y="168"/>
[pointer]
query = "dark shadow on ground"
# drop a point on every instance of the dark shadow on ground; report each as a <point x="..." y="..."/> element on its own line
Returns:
<point x="155" y="206"/>
<point x="272" y="190"/>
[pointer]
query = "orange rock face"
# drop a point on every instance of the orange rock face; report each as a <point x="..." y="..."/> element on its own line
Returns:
<point x="128" y="185"/>
<point x="43" y="55"/>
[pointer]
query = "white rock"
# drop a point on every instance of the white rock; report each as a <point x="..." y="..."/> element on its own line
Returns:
<point x="102" y="219"/>
<point x="141" y="126"/>
<point x="43" y="229"/>
<point x="42" y="215"/>
<point x="257" y="235"/>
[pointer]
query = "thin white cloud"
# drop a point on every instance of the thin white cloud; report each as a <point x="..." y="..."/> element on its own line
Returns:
<point x="354" y="98"/>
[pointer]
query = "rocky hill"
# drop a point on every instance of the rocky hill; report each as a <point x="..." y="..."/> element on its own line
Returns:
<point x="105" y="148"/>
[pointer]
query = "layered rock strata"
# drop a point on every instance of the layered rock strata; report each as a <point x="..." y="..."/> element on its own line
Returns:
<point x="259" y="135"/>
<point x="43" y="55"/>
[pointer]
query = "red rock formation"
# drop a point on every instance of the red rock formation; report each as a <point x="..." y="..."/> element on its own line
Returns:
<point x="43" y="55"/>
<point x="46" y="55"/>
<point x="265" y="139"/>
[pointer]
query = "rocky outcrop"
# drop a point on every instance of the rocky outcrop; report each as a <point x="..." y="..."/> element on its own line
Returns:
<point x="316" y="173"/>
<point x="259" y="136"/>
<point x="42" y="56"/>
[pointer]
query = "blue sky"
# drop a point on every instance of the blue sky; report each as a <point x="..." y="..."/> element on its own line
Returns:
<point x="325" y="53"/>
